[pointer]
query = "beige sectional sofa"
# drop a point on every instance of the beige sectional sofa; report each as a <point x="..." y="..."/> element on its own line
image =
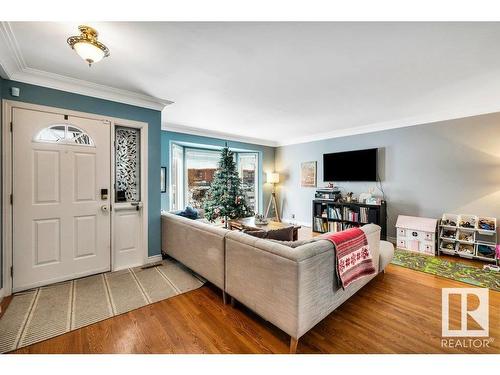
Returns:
<point x="293" y="288"/>
<point x="197" y="245"/>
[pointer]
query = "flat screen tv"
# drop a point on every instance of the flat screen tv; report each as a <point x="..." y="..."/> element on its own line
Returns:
<point x="358" y="165"/>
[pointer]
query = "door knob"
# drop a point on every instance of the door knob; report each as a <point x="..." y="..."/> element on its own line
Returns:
<point x="137" y="205"/>
<point x="104" y="208"/>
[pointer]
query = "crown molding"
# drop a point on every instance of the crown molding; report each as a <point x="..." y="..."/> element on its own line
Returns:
<point x="389" y="125"/>
<point x="215" y="134"/>
<point x="13" y="67"/>
<point x="95" y="90"/>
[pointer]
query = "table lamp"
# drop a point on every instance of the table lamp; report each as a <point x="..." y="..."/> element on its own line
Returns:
<point x="273" y="178"/>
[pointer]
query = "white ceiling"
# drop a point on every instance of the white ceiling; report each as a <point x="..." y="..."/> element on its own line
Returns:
<point x="281" y="83"/>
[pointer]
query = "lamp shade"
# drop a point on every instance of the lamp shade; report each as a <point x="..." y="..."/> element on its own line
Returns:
<point x="273" y="177"/>
<point x="89" y="52"/>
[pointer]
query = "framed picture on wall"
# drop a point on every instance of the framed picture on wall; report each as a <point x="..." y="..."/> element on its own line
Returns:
<point x="163" y="175"/>
<point x="308" y="174"/>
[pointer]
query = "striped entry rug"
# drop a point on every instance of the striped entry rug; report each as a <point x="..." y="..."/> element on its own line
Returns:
<point x="49" y="311"/>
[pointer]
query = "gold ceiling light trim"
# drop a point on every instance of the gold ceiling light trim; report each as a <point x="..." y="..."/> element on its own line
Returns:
<point x="87" y="46"/>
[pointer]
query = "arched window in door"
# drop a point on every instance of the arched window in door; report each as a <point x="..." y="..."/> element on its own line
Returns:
<point x="64" y="134"/>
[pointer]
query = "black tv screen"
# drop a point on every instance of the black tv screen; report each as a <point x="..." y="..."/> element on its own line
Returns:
<point x="350" y="166"/>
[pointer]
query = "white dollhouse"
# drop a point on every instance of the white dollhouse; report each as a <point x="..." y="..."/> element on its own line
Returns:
<point x="416" y="234"/>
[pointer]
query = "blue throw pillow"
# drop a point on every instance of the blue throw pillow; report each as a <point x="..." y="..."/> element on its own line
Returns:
<point x="188" y="212"/>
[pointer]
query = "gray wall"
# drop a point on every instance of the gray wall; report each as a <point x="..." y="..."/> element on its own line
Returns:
<point x="451" y="166"/>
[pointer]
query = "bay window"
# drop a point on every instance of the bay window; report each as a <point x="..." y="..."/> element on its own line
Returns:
<point x="192" y="171"/>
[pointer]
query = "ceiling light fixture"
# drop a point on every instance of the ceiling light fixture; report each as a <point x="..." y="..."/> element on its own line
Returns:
<point x="87" y="46"/>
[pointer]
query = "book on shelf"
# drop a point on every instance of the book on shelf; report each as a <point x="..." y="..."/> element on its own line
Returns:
<point x="363" y="214"/>
<point x="320" y="225"/>
<point x="334" y="226"/>
<point x="349" y="225"/>
<point x="350" y="215"/>
<point x="334" y="213"/>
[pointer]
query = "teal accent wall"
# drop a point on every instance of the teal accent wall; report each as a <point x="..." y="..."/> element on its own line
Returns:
<point x="61" y="99"/>
<point x="266" y="156"/>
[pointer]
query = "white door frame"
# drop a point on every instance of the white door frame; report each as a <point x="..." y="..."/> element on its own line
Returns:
<point x="7" y="178"/>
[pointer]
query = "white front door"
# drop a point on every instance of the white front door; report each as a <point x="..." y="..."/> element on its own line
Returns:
<point x="61" y="219"/>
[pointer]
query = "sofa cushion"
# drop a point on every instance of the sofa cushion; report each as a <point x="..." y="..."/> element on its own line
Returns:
<point x="294" y="244"/>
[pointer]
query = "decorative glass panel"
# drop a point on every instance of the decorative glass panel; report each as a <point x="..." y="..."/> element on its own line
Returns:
<point x="127" y="164"/>
<point x="64" y="134"/>
<point x="248" y="170"/>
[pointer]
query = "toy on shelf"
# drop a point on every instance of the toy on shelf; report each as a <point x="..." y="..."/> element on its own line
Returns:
<point x="449" y="245"/>
<point x="486" y="251"/>
<point x="466" y="236"/>
<point x="448" y="223"/>
<point x="487" y="224"/>
<point x="468" y="221"/>
<point x="451" y="234"/>
<point x="466" y="249"/>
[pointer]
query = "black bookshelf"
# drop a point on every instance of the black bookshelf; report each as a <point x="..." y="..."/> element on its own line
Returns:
<point x="330" y="216"/>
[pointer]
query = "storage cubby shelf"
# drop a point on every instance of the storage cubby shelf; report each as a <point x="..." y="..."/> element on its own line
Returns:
<point x="481" y="238"/>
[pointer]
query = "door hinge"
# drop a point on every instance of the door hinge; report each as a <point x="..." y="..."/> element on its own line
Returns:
<point x="11" y="126"/>
<point x="11" y="271"/>
<point x="110" y="207"/>
<point x="11" y="199"/>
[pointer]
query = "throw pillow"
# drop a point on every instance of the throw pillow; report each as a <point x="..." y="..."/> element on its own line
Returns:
<point x="282" y="234"/>
<point x="259" y="233"/>
<point x="188" y="212"/>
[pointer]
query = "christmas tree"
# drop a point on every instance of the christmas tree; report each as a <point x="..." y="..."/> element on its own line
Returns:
<point x="225" y="198"/>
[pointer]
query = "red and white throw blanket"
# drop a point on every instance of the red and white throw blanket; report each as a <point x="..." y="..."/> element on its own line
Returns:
<point x="354" y="259"/>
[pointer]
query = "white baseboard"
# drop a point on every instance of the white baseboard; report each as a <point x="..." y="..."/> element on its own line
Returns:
<point x="154" y="259"/>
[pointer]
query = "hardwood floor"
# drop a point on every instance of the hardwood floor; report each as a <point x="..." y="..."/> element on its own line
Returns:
<point x="4" y="303"/>
<point x="397" y="312"/>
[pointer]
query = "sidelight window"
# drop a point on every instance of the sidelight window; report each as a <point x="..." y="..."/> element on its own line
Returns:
<point x="127" y="164"/>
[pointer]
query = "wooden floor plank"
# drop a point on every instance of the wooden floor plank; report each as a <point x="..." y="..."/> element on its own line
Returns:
<point x="399" y="312"/>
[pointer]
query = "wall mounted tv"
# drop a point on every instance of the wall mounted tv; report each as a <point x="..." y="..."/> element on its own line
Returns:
<point x="358" y="165"/>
